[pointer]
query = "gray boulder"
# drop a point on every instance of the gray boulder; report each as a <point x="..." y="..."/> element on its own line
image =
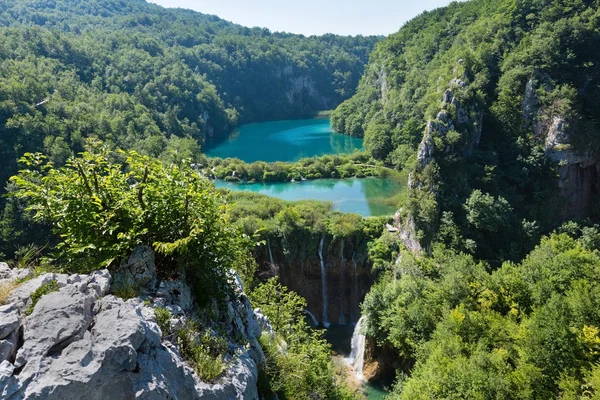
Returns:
<point x="139" y="269"/>
<point x="80" y="343"/>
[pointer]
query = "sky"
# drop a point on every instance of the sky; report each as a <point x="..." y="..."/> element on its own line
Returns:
<point x="314" y="17"/>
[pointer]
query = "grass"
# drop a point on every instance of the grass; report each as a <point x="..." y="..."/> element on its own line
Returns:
<point x="126" y="291"/>
<point x="46" y="288"/>
<point x="6" y="289"/>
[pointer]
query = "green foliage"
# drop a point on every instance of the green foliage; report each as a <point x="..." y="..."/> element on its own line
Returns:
<point x="298" y="364"/>
<point x="101" y="209"/>
<point x="206" y="360"/>
<point x="46" y="288"/>
<point x="163" y="319"/>
<point x="487" y="213"/>
<point x="357" y="164"/>
<point x="524" y="331"/>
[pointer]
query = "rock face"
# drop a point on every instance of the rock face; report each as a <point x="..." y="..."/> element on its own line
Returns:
<point x="579" y="172"/>
<point x="347" y="270"/>
<point x="80" y="342"/>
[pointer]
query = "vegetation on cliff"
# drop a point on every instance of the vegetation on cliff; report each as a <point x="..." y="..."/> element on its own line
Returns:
<point x="473" y="90"/>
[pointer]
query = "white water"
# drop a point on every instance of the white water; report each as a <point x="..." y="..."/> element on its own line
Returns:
<point x="357" y="356"/>
<point x="342" y="318"/>
<point x="271" y="255"/>
<point x="323" y="283"/>
<point x="312" y="317"/>
<point x="355" y="280"/>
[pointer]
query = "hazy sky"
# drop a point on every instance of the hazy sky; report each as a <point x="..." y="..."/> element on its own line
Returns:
<point x="314" y="17"/>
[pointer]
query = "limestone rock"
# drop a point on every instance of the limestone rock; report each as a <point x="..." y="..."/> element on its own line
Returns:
<point x="139" y="269"/>
<point x="9" y="320"/>
<point x="12" y="274"/>
<point x="80" y="343"/>
<point x="426" y="149"/>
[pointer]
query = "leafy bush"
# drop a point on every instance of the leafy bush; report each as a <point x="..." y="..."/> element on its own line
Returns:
<point x="46" y="288"/>
<point x="201" y="356"/>
<point x="104" y="204"/>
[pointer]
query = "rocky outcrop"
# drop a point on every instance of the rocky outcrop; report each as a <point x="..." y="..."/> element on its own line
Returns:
<point x="579" y="172"/>
<point x="80" y="342"/>
<point x="452" y="117"/>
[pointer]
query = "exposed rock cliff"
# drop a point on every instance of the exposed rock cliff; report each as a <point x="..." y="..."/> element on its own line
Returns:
<point x="579" y="171"/>
<point x="80" y="342"/>
<point x="348" y="274"/>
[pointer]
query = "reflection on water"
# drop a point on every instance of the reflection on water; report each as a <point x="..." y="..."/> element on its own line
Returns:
<point x="284" y="141"/>
<point x="367" y="197"/>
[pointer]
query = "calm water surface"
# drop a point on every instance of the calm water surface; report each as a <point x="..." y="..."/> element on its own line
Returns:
<point x="367" y="197"/>
<point x="284" y="141"/>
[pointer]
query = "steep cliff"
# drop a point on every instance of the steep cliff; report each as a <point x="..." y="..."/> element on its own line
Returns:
<point x="488" y="105"/>
<point x="332" y="274"/>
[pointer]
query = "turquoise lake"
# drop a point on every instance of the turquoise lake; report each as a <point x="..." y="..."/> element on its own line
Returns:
<point x="367" y="197"/>
<point x="284" y="141"/>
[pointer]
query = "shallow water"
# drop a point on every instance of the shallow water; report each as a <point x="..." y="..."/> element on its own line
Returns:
<point x="367" y="197"/>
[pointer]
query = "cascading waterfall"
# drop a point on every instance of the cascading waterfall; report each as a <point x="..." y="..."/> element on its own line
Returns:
<point x="271" y="255"/>
<point x="312" y="317"/>
<point x="355" y="279"/>
<point x="323" y="283"/>
<point x="342" y="318"/>
<point x="357" y="355"/>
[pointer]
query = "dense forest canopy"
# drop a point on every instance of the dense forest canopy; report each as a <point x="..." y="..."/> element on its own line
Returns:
<point x="159" y="81"/>
<point x="470" y="99"/>
<point x="490" y="107"/>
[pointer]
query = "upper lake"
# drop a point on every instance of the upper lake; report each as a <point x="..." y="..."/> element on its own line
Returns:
<point x="284" y="141"/>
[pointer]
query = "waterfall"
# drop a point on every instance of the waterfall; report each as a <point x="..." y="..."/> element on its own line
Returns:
<point x="357" y="356"/>
<point x="355" y="279"/>
<point x="323" y="283"/>
<point x="342" y="318"/>
<point x="271" y="255"/>
<point x="312" y="317"/>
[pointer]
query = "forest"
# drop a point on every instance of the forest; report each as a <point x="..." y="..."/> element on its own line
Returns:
<point x="487" y="106"/>
<point x="158" y="81"/>
<point x="490" y="287"/>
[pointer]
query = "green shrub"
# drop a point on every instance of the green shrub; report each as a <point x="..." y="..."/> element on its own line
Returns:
<point x="207" y="366"/>
<point x="163" y="319"/>
<point x="102" y="209"/>
<point x="46" y="288"/>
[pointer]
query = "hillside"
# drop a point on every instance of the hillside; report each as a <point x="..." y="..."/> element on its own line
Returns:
<point x="159" y="81"/>
<point x="487" y="102"/>
<point x="488" y="289"/>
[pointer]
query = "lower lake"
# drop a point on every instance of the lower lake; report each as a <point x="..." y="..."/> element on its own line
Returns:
<point x="284" y="141"/>
<point x="367" y="197"/>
